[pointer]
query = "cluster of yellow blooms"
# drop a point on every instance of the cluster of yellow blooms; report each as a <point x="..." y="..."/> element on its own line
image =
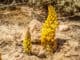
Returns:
<point x="48" y="30"/>
<point x="47" y="33"/>
<point x="27" y="43"/>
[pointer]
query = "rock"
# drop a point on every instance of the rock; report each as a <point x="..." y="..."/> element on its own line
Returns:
<point x="35" y="49"/>
<point x="72" y="53"/>
<point x="35" y="27"/>
<point x="66" y="48"/>
<point x="39" y="51"/>
<point x="67" y="54"/>
<point x="58" y="56"/>
<point x="63" y="28"/>
<point x="73" y="43"/>
<point x="42" y="53"/>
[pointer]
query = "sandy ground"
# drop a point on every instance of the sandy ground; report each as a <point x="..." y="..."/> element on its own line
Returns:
<point x="14" y="23"/>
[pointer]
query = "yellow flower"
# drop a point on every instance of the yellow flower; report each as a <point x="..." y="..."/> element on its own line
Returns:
<point x="27" y="43"/>
<point x="48" y="30"/>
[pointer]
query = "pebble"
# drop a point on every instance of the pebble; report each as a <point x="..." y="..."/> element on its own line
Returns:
<point x="34" y="28"/>
<point x="63" y="28"/>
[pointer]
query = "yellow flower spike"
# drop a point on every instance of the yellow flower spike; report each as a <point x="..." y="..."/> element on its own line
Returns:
<point x="48" y="30"/>
<point x="27" y="43"/>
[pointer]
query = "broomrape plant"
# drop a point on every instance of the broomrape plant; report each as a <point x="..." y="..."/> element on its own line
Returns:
<point x="48" y="30"/>
<point x="27" y="43"/>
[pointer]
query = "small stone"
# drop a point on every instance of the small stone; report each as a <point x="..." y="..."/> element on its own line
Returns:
<point x="35" y="49"/>
<point x="72" y="52"/>
<point x="63" y="28"/>
<point x="42" y="53"/>
<point x="66" y="48"/>
<point x="67" y="54"/>
<point x="73" y="43"/>
<point x="34" y="28"/>
<point x="38" y="51"/>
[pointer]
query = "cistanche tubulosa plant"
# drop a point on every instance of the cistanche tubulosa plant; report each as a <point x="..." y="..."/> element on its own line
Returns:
<point x="48" y="30"/>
